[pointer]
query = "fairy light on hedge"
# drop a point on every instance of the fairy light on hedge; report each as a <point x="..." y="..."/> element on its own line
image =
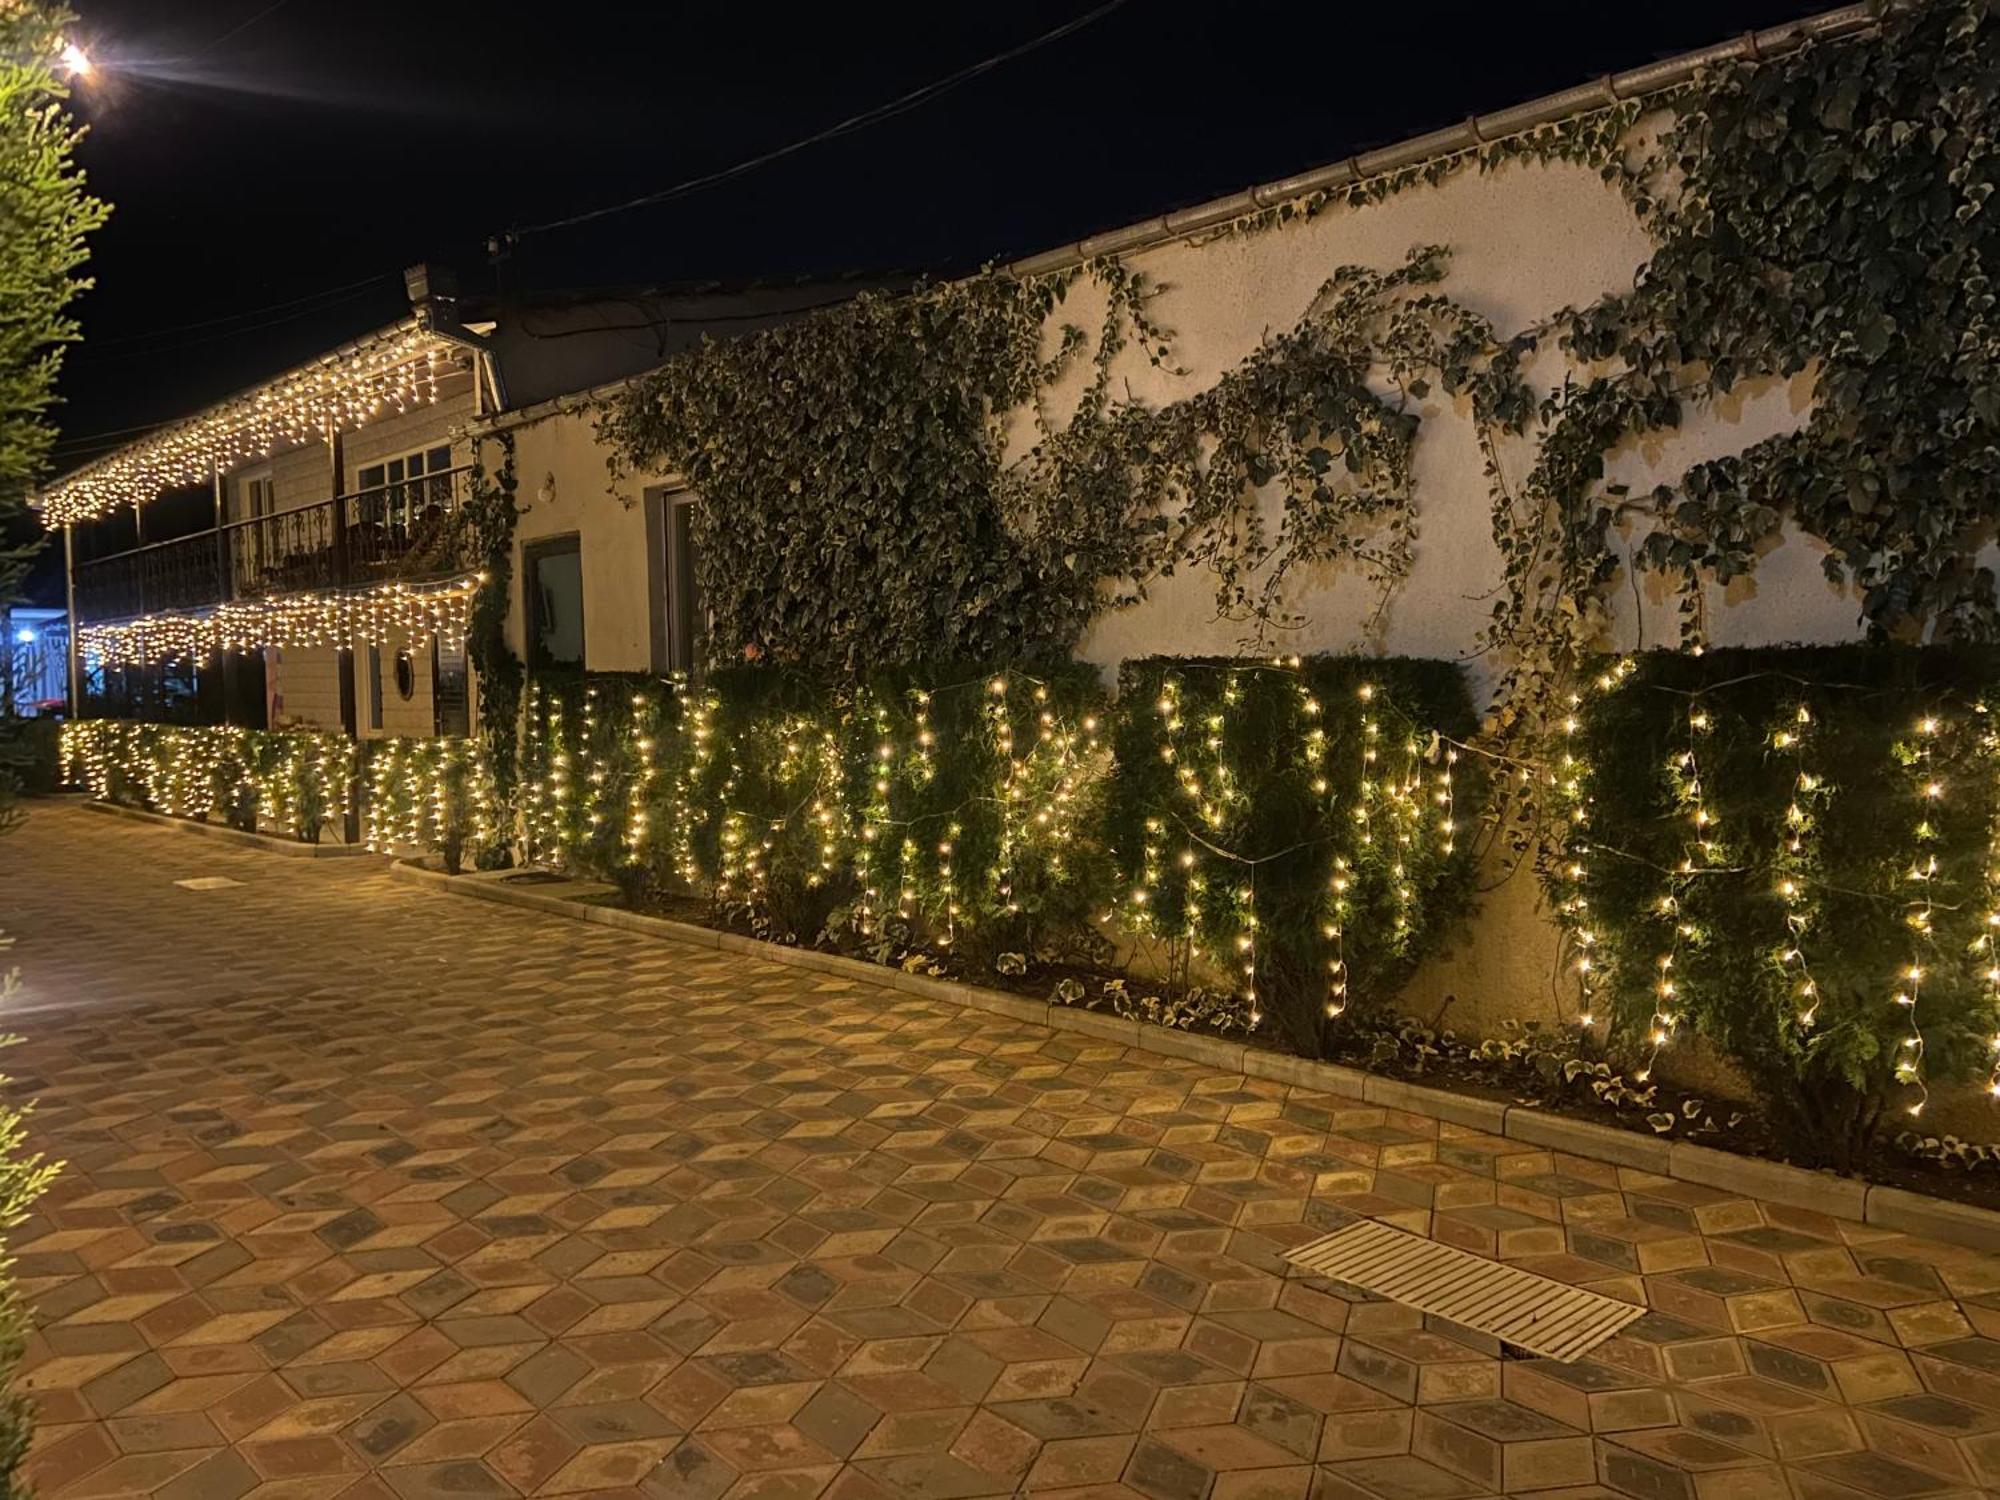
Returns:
<point x="1573" y="902"/>
<point x="433" y="794"/>
<point x="1794" y="865"/>
<point x="1699" y="851"/>
<point x="296" y="778"/>
<point x="1985" y="945"/>
<point x="638" y="820"/>
<point x="1919" y="914"/>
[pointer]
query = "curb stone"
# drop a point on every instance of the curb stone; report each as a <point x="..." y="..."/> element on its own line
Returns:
<point x="1893" y="1209"/>
<point x="1843" y="1197"/>
<point x="1934" y="1218"/>
<point x="269" y="842"/>
<point x="1624" y="1148"/>
<point x="1489" y="1115"/>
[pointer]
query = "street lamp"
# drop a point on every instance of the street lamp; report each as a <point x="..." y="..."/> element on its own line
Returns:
<point x="75" y="62"/>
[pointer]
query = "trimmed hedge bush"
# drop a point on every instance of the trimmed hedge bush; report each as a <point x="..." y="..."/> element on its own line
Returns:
<point x="1013" y="816"/>
<point x="1791" y="854"/>
<point x="1294" y="827"/>
<point x="296" y="778"/>
<point x="1000" y="818"/>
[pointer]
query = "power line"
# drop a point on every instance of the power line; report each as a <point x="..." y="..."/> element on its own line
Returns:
<point x="111" y="436"/>
<point x="324" y="294"/>
<point x="239" y="28"/>
<point x="847" y="126"/>
<point x="125" y="355"/>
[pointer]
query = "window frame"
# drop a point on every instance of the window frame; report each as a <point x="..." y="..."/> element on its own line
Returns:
<point x="679" y="621"/>
<point x="532" y="554"/>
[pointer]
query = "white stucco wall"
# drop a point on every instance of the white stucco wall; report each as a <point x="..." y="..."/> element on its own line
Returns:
<point x="566" y="486"/>
<point x="302" y="684"/>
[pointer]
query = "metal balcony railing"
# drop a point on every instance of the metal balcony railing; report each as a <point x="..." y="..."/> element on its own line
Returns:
<point x="394" y="531"/>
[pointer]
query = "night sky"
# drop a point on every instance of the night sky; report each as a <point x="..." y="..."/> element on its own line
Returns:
<point x="274" y="167"/>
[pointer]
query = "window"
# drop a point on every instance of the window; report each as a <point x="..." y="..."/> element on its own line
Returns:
<point x="552" y="576"/>
<point x="451" y="704"/>
<point x="681" y="601"/>
<point x="394" y="493"/>
<point x="256" y="500"/>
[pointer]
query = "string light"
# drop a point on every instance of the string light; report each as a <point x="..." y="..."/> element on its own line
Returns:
<point x="385" y="614"/>
<point x="299" y="779"/>
<point x="954" y="806"/>
<point x="1571" y="877"/>
<point x="396" y="372"/>
<point x="1700" y="850"/>
<point x="1985" y="947"/>
<point x="1919" y="910"/>
<point x="430" y="794"/>
<point x="1795" y="866"/>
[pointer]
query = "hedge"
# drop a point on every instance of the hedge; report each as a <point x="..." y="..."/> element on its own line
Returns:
<point x="1791" y="853"/>
<point x="1281" y="846"/>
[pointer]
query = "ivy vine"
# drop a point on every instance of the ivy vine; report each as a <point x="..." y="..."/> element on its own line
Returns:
<point x="486" y="523"/>
<point x="1821" y="215"/>
<point x="1830" y="222"/>
<point x="848" y="474"/>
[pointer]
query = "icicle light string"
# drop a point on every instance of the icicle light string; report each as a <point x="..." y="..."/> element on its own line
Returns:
<point x="399" y="374"/>
<point x="379" y="616"/>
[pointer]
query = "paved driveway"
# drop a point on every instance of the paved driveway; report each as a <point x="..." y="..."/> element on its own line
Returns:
<point x="377" y="1192"/>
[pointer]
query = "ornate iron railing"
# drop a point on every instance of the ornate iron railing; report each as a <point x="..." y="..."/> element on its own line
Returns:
<point x="393" y="531"/>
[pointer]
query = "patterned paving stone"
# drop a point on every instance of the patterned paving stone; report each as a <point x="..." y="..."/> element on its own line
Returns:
<point x="379" y="1194"/>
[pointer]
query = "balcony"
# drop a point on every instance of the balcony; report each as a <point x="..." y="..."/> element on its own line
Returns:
<point x="403" y="531"/>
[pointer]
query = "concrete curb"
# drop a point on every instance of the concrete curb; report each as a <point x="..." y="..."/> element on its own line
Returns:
<point x="270" y="843"/>
<point x="1794" y="1187"/>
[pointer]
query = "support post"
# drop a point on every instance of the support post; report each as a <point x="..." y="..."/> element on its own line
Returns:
<point x="337" y="477"/>
<point x="69" y="596"/>
<point x="224" y="583"/>
<point x="350" y="718"/>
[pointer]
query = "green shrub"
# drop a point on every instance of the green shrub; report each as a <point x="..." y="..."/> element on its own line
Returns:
<point x="298" y="778"/>
<point x="1790" y="854"/>
<point x="1293" y="826"/>
<point x="31" y="753"/>
<point x="974" y="800"/>
<point x="958" y="808"/>
<point x="432" y="794"/>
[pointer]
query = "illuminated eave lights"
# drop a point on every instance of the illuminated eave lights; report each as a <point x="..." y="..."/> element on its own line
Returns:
<point x="369" y="617"/>
<point x="395" y="373"/>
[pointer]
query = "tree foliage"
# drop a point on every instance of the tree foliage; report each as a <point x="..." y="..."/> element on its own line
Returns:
<point x="45" y="217"/>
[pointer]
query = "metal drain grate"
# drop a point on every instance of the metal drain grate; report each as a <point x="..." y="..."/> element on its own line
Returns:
<point x="1542" y="1316"/>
